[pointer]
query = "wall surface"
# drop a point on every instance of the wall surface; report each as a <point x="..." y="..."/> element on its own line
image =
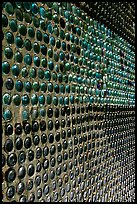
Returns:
<point x="68" y="106"/>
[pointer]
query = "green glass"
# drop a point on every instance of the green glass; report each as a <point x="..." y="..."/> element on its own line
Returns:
<point x="68" y="98"/>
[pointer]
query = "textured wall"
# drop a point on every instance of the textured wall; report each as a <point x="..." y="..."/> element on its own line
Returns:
<point x="68" y="101"/>
<point x="117" y="16"/>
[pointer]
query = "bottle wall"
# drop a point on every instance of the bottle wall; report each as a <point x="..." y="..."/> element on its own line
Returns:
<point x="68" y="106"/>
